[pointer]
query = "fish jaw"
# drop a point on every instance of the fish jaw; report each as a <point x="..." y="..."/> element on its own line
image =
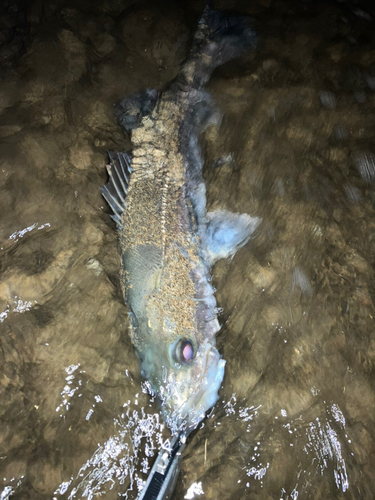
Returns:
<point x="187" y="393"/>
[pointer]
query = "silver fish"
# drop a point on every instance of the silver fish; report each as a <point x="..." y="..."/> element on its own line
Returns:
<point x="168" y="240"/>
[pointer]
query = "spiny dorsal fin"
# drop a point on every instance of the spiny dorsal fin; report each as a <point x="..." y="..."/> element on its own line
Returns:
<point x="116" y="190"/>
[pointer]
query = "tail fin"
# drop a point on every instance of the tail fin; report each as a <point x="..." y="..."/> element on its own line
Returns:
<point x="218" y="39"/>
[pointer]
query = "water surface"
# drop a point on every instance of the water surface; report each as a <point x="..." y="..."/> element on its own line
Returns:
<point x="295" y="418"/>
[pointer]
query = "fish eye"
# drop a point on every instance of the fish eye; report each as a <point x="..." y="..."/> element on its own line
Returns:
<point x="185" y="351"/>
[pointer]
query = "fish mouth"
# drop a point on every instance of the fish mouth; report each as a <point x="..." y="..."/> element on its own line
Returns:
<point x="202" y="394"/>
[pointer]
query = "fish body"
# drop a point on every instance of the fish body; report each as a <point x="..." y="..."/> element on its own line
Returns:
<point x="168" y="240"/>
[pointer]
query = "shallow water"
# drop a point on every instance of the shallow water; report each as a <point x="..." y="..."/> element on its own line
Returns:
<point x="296" y="412"/>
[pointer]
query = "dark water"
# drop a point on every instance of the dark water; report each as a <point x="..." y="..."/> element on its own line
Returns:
<point x="296" y="414"/>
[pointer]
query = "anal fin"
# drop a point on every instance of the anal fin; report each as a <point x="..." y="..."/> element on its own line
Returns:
<point x="116" y="190"/>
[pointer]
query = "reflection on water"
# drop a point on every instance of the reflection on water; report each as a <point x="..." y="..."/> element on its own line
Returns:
<point x="296" y="416"/>
<point x="124" y="459"/>
<point x="21" y="233"/>
<point x="127" y="456"/>
<point x="324" y="442"/>
<point x="18" y="306"/>
<point x="323" y="449"/>
<point x="194" y="490"/>
<point x="70" y="389"/>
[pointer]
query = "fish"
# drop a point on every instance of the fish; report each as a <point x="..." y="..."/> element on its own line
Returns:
<point x="168" y="240"/>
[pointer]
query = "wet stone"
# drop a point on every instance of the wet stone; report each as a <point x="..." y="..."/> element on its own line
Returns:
<point x="14" y="470"/>
<point x="81" y="155"/>
<point x="70" y="42"/>
<point x="74" y="53"/>
<point x="360" y="97"/>
<point x="340" y="132"/>
<point x="50" y="111"/>
<point x="364" y="161"/>
<point x="270" y="65"/>
<point x="370" y="79"/>
<point x="8" y="130"/>
<point x="137" y="30"/>
<point x="104" y="44"/>
<point x="95" y="266"/>
<point x="40" y="150"/>
<point x="328" y="100"/>
<point x="73" y="17"/>
<point x="115" y="6"/>
<point x="169" y="41"/>
<point x="353" y="193"/>
<point x="44" y="476"/>
<point x="8" y="94"/>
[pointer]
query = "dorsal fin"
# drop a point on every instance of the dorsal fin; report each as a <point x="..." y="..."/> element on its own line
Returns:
<point x="116" y="190"/>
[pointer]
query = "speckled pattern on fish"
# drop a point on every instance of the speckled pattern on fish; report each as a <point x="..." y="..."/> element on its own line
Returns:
<point x="168" y="240"/>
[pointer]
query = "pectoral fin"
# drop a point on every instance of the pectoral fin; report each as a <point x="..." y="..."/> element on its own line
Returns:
<point x="227" y="232"/>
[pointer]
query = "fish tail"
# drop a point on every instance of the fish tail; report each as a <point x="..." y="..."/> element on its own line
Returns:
<point x="217" y="40"/>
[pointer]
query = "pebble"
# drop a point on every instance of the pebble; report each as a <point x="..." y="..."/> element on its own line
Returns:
<point x="104" y="44"/>
<point x="364" y="161"/>
<point x="81" y="155"/>
<point x="340" y="132"/>
<point x="328" y="100"/>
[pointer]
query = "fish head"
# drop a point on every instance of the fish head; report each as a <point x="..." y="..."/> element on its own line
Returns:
<point x="186" y="376"/>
